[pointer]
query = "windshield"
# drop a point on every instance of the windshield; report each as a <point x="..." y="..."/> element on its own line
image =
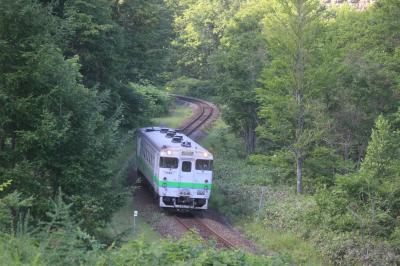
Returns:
<point x="205" y="165"/>
<point x="168" y="162"/>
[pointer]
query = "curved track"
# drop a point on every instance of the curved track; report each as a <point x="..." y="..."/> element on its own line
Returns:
<point x="203" y="116"/>
<point x="190" y="221"/>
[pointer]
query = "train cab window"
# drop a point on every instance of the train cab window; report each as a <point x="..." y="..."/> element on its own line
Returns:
<point x="168" y="162"/>
<point x="186" y="166"/>
<point x="205" y="165"/>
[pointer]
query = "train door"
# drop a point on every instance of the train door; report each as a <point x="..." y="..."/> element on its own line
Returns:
<point x="186" y="173"/>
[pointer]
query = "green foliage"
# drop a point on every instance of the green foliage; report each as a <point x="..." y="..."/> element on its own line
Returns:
<point x="176" y="116"/>
<point x="147" y="26"/>
<point x="220" y="52"/>
<point x="237" y="65"/>
<point x="319" y="79"/>
<point x="55" y="132"/>
<point x="293" y="118"/>
<point x="365" y="203"/>
<point x="189" y="251"/>
<point x="5" y="185"/>
<point x="190" y="86"/>
<point x="60" y="241"/>
<point x="371" y="195"/>
<point x="65" y="95"/>
<point x="157" y="101"/>
<point x="199" y="26"/>
<point x="289" y="225"/>
<point x="14" y="213"/>
<point x="236" y="182"/>
<point x="280" y="163"/>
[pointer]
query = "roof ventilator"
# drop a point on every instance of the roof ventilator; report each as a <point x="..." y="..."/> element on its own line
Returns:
<point x="177" y="139"/>
<point x="150" y="129"/>
<point x="170" y="134"/>
<point x="164" y="130"/>
<point x="186" y="144"/>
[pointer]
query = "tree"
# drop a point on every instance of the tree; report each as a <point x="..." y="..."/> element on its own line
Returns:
<point x="97" y="40"/>
<point x="147" y="30"/>
<point x="199" y="26"/>
<point x="237" y="64"/>
<point x="54" y="131"/>
<point x="373" y="192"/>
<point x="286" y="103"/>
<point x="356" y="81"/>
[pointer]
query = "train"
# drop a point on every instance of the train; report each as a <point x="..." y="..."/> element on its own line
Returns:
<point x="178" y="170"/>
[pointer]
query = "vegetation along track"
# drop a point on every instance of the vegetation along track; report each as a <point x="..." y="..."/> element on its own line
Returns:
<point x="203" y="116"/>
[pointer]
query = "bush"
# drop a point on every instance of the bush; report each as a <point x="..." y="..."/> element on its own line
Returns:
<point x="190" y="86"/>
<point x="156" y="101"/>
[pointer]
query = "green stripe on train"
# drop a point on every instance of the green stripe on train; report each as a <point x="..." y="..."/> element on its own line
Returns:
<point x="183" y="185"/>
<point x="169" y="184"/>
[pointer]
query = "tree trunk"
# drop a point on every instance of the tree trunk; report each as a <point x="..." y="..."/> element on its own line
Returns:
<point x="250" y="139"/>
<point x="250" y="130"/>
<point x="361" y="151"/>
<point x="2" y="143"/>
<point x="299" y="172"/>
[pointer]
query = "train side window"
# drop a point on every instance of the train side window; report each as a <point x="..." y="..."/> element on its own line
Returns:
<point x="205" y="165"/>
<point x="186" y="166"/>
<point x="168" y="162"/>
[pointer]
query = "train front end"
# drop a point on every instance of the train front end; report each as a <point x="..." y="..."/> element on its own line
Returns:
<point x="185" y="176"/>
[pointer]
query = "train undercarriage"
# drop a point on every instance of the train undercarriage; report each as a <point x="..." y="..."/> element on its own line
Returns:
<point x="183" y="202"/>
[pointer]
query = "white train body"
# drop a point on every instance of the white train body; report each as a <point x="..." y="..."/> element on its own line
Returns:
<point x="178" y="169"/>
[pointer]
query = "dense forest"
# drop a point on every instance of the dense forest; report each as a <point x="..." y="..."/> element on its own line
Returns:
<point x="309" y="96"/>
<point x="313" y="93"/>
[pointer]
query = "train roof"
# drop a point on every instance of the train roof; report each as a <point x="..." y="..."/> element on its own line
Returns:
<point x="157" y="136"/>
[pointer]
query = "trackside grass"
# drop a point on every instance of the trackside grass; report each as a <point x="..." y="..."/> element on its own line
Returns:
<point x="121" y="225"/>
<point x="178" y="113"/>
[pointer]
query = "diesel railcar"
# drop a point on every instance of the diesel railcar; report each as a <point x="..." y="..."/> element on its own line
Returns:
<point x="177" y="168"/>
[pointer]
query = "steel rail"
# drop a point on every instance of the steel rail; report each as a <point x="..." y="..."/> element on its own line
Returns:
<point x="206" y="111"/>
<point x="225" y="241"/>
<point x="200" y="119"/>
<point x="210" y="232"/>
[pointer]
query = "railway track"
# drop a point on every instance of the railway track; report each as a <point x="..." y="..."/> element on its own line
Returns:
<point x="203" y="115"/>
<point x="209" y="229"/>
<point x="191" y="222"/>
